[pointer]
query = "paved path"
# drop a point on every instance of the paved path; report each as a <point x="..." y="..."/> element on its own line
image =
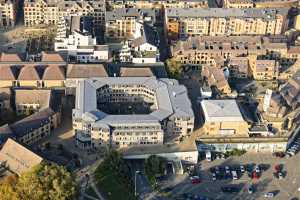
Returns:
<point x="82" y="179"/>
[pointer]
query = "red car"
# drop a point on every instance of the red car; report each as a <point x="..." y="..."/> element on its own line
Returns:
<point x="195" y="180"/>
<point x="254" y="175"/>
<point x="277" y="168"/>
<point x="279" y="154"/>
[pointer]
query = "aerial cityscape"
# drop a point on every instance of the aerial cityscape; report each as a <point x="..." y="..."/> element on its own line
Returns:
<point x="149" y="99"/>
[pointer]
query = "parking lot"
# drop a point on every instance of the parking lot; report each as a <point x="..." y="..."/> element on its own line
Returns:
<point x="284" y="189"/>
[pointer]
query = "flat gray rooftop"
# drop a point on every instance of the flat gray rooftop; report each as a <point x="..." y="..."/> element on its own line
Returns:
<point x="265" y="13"/>
<point x="172" y="100"/>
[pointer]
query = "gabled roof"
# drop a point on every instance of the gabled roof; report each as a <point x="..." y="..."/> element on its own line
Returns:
<point x="10" y="57"/>
<point x="149" y="35"/>
<point x="32" y="122"/>
<point x="54" y="72"/>
<point x="86" y="71"/>
<point x="29" y="72"/>
<point x="135" y="72"/>
<point x="51" y="57"/>
<point x="18" y="158"/>
<point x="8" y="72"/>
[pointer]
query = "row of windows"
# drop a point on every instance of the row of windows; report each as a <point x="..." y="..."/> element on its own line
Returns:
<point x="136" y="134"/>
<point x="135" y="138"/>
<point x="36" y="134"/>
<point x="134" y="143"/>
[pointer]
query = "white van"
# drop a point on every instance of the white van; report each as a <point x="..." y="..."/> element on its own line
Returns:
<point x="234" y="175"/>
<point x="208" y="155"/>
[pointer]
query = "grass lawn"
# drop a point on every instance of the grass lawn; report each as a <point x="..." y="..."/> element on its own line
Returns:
<point x="111" y="185"/>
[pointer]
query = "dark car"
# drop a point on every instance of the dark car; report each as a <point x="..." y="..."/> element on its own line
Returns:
<point x="250" y="167"/>
<point x="230" y="189"/>
<point x="264" y="167"/>
<point x="212" y="170"/>
<point x="279" y="154"/>
<point x="295" y="198"/>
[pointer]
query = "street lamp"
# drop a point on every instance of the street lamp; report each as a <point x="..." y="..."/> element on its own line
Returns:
<point x="136" y="172"/>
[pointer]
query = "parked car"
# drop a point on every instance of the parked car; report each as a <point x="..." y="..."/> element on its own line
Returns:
<point x="242" y="168"/>
<point x="230" y="189"/>
<point x="294" y="198"/>
<point x="234" y="175"/>
<point x="250" y="167"/>
<point x="214" y="177"/>
<point x="295" y="147"/>
<point x="227" y="170"/>
<point x="254" y="175"/>
<point x="250" y="189"/>
<point x="263" y="167"/>
<point x="277" y="168"/>
<point x="223" y="156"/>
<point x="217" y="170"/>
<point x="195" y="179"/>
<point x="291" y="152"/>
<point x="269" y="195"/>
<point x="279" y="154"/>
<point x="257" y="169"/>
<point x="280" y="175"/>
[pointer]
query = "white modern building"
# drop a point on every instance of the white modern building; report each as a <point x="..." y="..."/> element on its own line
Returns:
<point x="130" y="111"/>
<point x="143" y="48"/>
<point x="186" y="152"/>
<point x="75" y="37"/>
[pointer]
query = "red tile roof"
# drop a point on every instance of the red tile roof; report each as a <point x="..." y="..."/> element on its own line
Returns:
<point x="8" y="72"/>
<point x="54" y="72"/>
<point x="29" y="72"/>
<point x="10" y="57"/>
<point x="51" y="57"/>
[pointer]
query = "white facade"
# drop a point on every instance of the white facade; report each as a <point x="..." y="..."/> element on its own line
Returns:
<point x="146" y="47"/>
<point x="125" y="53"/>
<point x="144" y="60"/>
<point x="91" y="54"/>
<point x="185" y="156"/>
<point x="82" y="47"/>
<point x="74" y="40"/>
<point x="249" y="147"/>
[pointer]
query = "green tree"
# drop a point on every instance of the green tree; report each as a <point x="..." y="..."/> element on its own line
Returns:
<point x="44" y="182"/>
<point x="7" y="188"/>
<point x="174" y="68"/>
<point x="154" y="166"/>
